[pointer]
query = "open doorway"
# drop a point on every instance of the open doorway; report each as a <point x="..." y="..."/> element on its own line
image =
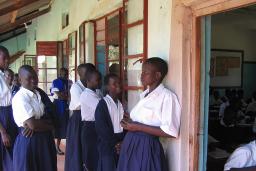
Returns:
<point x="230" y="85"/>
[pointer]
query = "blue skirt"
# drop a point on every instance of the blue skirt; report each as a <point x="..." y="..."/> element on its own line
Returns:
<point x="89" y="146"/>
<point x="73" y="159"/>
<point x="108" y="157"/>
<point x="141" y="152"/>
<point x="62" y="117"/>
<point x="6" y="154"/>
<point x="37" y="153"/>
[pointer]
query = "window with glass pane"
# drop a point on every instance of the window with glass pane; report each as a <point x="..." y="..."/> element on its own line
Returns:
<point x="82" y="43"/>
<point x="134" y="45"/>
<point x="65" y="54"/>
<point x="47" y="71"/>
<point x="72" y="59"/>
<point x="108" y="38"/>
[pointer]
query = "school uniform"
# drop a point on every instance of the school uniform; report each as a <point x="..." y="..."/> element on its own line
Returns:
<point x="242" y="157"/>
<point x="89" y="101"/>
<point x="7" y="121"/>
<point x="36" y="153"/>
<point x="141" y="151"/>
<point x="73" y="159"/>
<point x="14" y="89"/>
<point x="108" y="116"/>
<point x="60" y="85"/>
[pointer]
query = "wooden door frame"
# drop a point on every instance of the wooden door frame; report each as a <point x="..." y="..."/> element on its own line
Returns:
<point x="185" y="46"/>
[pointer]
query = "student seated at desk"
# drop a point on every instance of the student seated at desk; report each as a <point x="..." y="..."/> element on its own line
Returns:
<point x="242" y="159"/>
<point x="252" y="105"/>
<point x="215" y="100"/>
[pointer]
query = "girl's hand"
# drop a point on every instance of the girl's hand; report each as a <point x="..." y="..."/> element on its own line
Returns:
<point x="126" y="115"/>
<point x="6" y="139"/>
<point x="129" y="125"/>
<point x="27" y="132"/>
<point x="118" y="147"/>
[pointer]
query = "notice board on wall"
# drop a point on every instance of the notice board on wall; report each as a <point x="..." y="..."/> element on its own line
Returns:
<point x="226" y="68"/>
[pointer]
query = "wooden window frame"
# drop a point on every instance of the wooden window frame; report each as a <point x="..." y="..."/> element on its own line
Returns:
<point x="33" y="57"/>
<point x="49" y="53"/>
<point x="66" y="52"/>
<point x="82" y="29"/>
<point x="144" y="55"/>
<point x="186" y="46"/>
<point x="119" y="10"/>
<point x="70" y="51"/>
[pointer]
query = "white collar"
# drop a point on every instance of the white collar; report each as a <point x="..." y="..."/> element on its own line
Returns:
<point x="79" y="82"/>
<point x="92" y="92"/>
<point x="155" y="92"/>
<point x="111" y="99"/>
<point x="28" y="92"/>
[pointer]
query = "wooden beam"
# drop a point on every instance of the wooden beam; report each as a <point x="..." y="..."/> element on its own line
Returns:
<point x="15" y="56"/>
<point x="16" y="6"/>
<point x="221" y="6"/>
<point x="13" y="16"/>
<point x="23" y="20"/>
<point x="14" y="35"/>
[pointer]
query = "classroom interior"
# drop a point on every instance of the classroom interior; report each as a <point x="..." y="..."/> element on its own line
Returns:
<point x="232" y="88"/>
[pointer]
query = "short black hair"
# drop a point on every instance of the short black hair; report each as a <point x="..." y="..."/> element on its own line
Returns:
<point x="108" y="77"/>
<point x="4" y="50"/>
<point x="160" y="65"/>
<point x="87" y="66"/>
<point x="27" y="68"/>
<point x="64" y="69"/>
<point x="90" y="74"/>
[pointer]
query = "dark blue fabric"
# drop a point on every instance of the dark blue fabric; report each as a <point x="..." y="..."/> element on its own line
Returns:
<point x="107" y="139"/>
<point x="89" y="146"/>
<point x="6" y="154"/>
<point x="62" y="113"/>
<point x="36" y="153"/>
<point x="141" y="152"/>
<point x="15" y="89"/>
<point x="61" y="84"/>
<point x="73" y="159"/>
<point x="49" y="108"/>
<point x="62" y="117"/>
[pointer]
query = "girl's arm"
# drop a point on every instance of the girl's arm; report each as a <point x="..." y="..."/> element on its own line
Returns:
<point x="129" y="125"/>
<point x="5" y="137"/>
<point x="39" y="125"/>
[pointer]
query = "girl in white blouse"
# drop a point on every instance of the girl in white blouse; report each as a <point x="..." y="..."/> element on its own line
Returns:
<point x="157" y="114"/>
<point x="34" y="148"/>
<point x="8" y="128"/>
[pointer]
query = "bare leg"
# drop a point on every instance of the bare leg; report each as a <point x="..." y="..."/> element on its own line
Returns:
<point x="58" y="147"/>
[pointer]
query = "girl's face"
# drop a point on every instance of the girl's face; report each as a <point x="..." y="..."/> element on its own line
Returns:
<point x="114" y="86"/>
<point x="94" y="82"/>
<point x="3" y="60"/>
<point x="29" y="80"/>
<point x="149" y="75"/>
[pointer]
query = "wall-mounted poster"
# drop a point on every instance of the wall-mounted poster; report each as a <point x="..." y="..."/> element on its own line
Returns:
<point x="226" y="68"/>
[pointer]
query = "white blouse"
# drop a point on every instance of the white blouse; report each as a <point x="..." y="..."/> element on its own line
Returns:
<point x="5" y="91"/>
<point x="75" y="93"/>
<point x="159" y="108"/>
<point x="89" y="101"/>
<point x="27" y="104"/>
<point x="116" y="113"/>
<point x="244" y="156"/>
